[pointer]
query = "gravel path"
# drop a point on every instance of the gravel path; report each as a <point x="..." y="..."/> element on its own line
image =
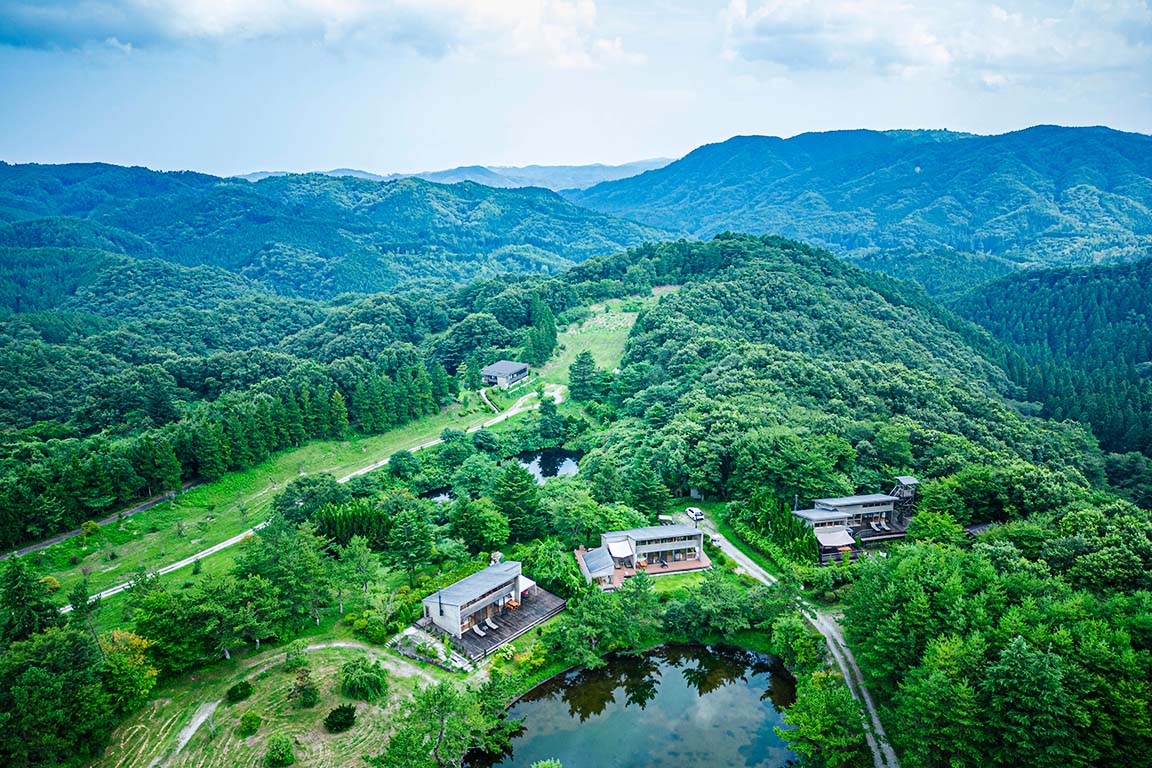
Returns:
<point x="882" y="754"/>
<point x="521" y="405"/>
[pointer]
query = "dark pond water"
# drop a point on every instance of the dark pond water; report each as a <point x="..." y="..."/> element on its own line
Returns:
<point x="675" y="707"/>
<point x="550" y="462"/>
<point x="440" y="495"/>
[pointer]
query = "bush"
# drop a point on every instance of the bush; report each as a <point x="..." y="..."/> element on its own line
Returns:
<point x="341" y="719"/>
<point x="279" y="752"/>
<point x="240" y="691"/>
<point x="249" y="724"/>
<point x="304" y="691"/>
<point x="363" y="679"/>
<point x="296" y="656"/>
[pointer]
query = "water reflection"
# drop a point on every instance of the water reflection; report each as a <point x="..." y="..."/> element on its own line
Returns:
<point x="550" y="462"/>
<point x="674" y="707"/>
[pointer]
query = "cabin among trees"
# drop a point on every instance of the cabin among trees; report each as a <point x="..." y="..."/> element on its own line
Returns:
<point x="657" y="550"/>
<point x="489" y="609"/>
<point x="844" y="523"/>
<point x="503" y="373"/>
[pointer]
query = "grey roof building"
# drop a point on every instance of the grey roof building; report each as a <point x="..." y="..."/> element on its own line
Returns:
<point x="503" y="373"/>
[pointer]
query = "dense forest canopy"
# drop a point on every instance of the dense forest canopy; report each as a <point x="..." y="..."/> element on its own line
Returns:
<point x="767" y="373"/>
<point x="1082" y="343"/>
<point x="305" y="235"/>
<point x="1047" y="194"/>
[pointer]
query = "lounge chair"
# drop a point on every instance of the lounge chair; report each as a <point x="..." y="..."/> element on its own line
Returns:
<point x="874" y="526"/>
<point x="884" y="526"/>
<point x="477" y="631"/>
<point x="488" y="623"/>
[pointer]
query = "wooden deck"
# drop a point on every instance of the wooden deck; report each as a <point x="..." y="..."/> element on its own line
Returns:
<point x="534" y="610"/>
<point x="655" y="570"/>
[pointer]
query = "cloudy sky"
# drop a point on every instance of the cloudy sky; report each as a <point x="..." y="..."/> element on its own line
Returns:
<point x="230" y="86"/>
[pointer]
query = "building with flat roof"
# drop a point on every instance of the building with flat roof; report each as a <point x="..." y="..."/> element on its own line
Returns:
<point x="657" y="550"/>
<point x="489" y="608"/>
<point x="503" y="373"/>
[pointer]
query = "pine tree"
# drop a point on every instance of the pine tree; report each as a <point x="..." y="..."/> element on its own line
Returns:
<point x="337" y="414"/>
<point x="24" y="599"/>
<point x="583" y="378"/>
<point x="517" y="497"/>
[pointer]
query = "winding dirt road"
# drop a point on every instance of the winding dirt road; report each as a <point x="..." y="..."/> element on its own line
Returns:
<point x="882" y="754"/>
<point x="522" y="405"/>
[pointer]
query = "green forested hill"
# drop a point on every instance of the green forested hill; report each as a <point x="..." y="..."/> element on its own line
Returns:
<point x="1083" y="343"/>
<point x="1042" y="195"/>
<point x="777" y="354"/>
<point x="310" y="235"/>
<point x="777" y="373"/>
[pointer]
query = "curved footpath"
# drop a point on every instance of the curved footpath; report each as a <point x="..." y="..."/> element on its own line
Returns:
<point x="205" y="711"/>
<point x="521" y="405"/>
<point x="110" y="519"/>
<point x="882" y="754"/>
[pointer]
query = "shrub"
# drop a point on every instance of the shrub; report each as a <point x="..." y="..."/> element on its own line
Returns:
<point x="296" y="656"/>
<point x="363" y="679"/>
<point x="304" y="691"/>
<point x="240" y="691"/>
<point x="249" y="724"/>
<point x="341" y="719"/>
<point x="279" y="752"/>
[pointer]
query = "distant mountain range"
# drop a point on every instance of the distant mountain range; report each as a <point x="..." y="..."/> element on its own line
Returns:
<point x="1045" y="195"/>
<point x="554" y="177"/>
<point x="305" y="235"/>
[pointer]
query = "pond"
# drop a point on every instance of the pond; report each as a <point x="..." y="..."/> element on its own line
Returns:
<point x="550" y="462"/>
<point x="676" y="706"/>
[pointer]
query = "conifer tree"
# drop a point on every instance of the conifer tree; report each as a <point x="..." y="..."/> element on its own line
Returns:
<point x="517" y="497"/>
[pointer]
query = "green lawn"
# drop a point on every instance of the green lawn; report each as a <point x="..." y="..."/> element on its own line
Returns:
<point x="216" y="511"/>
<point x="154" y="731"/>
<point x="676" y="581"/>
<point x="603" y="334"/>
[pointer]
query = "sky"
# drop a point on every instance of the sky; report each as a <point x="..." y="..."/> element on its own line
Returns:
<point x="233" y="86"/>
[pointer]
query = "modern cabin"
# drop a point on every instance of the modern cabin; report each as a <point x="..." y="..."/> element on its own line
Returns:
<point x="848" y="511"/>
<point x="657" y="550"/>
<point x="468" y="602"/>
<point x="842" y="522"/>
<point x="489" y="609"/>
<point x="503" y="373"/>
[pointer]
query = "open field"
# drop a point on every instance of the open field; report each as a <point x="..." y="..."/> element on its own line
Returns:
<point x="152" y="738"/>
<point x="604" y="334"/>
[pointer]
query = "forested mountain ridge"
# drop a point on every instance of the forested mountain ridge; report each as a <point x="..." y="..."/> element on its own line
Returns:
<point x="1083" y="343"/>
<point x="310" y="235"/>
<point x="554" y="177"/>
<point x="1046" y="195"/>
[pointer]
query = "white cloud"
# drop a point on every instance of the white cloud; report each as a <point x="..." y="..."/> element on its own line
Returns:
<point x="987" y="43"/>
<point x="561" y="32"/>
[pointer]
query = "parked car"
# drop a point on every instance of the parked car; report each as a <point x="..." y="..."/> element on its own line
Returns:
<point x="694" y="513"/>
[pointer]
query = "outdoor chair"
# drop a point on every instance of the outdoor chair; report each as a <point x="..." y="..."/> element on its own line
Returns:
<point x="488" y="623"/>
<point x="477" y="631"/>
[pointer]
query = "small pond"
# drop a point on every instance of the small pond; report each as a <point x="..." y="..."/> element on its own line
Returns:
<point x="676" y="706"/>
<point x="550" y="462"/>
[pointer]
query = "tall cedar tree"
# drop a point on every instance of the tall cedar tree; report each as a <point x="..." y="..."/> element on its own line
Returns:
<point x="517" y="497"/>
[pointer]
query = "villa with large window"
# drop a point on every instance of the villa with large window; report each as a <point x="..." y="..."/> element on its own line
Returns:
<point x="657" y="550"/>
<point x="489" y="608"/>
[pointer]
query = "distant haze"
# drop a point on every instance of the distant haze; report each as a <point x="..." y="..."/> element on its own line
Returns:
<point x="554" y="177"/>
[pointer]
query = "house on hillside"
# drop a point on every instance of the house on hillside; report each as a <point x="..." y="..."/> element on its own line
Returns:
<point x="490" y="608"/>
<point x="503" y="373"/>
<point x="840" y="522"/>
<point x="657" y="550"/>
<point x="848" y="511"/>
